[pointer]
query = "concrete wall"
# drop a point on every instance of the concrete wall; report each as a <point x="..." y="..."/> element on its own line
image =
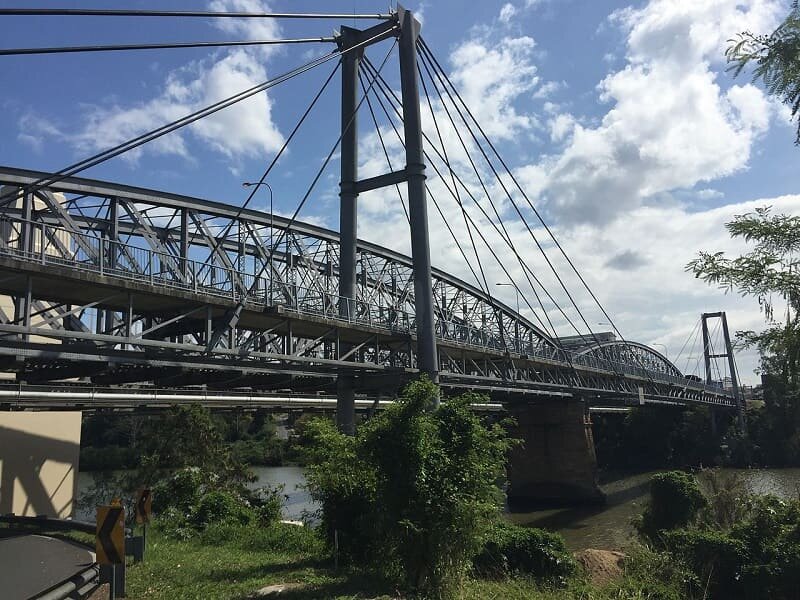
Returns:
<point x="556" y="463"/>
<point x="39" y="462"/>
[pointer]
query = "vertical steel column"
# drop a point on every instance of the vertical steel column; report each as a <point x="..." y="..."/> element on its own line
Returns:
<point x="427" y="358"/>
<point x="185" y="243"/>
<point x="112" y="233"/>
<point x="22" y="309"/>
<point x="732" y="368"/>
<point x="706" y="353"/>
<point x="348" y="217"/>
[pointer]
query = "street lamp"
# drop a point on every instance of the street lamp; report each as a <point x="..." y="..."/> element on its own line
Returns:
<point x="271" y="227"/>
<point x="664" y="346"/>
<point x="516" y="291"/>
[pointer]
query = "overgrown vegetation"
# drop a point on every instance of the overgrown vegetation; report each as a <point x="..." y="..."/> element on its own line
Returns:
<point x="194" y="475"/>
<point x="769" y="273"/>
<point x="733" y="545"/>
<point x="414" y="493"/>
<point x="114" y="441"/>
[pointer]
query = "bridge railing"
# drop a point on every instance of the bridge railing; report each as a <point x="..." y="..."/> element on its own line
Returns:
<point x="48" y="244"/>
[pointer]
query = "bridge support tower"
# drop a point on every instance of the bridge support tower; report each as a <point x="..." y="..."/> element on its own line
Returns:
<point x="350" y="187"/>
<point x="556" y="463"/>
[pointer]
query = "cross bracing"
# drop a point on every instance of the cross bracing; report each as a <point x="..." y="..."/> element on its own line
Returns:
<point x="117" y="284"/>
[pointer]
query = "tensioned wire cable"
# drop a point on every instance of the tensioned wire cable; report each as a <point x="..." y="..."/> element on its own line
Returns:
<point x="394" y="101"/>
<point x="519" y="213"/>
<point x="389" y="95"/>
<point x="447" y="163"/>
<point x="691" y="333"/>
<point x="177" y="124"/>
<point x="324" y="165"/>
<point x="161" y="46"/>
<point x="469" y="218"/>
<point x="385" y="150"/>
<point x="235" y="311"/>
<point x="87" y="12"/>
<point x="427" y="188"/>
<point x="505" y="233"/>
<point x="426" y="52"/>
<point x="513" y="203"/>
<point x="274" y="160"/>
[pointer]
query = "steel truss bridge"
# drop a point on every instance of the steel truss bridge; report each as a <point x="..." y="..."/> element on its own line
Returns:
<point x="112" y="285"/>
<point x="120" y="285"/>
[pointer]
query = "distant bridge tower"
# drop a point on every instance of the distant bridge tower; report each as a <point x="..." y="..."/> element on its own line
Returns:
<point x="708" y="356"/>
<point x="413" y="175"/>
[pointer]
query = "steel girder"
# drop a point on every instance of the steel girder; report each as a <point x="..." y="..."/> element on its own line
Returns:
<point x="112" y="279"/>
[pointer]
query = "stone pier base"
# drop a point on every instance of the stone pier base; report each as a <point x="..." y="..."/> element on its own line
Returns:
<point x="556" y="463"/>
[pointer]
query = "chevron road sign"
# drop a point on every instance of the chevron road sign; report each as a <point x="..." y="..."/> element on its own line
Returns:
<point x="110" y="537"/>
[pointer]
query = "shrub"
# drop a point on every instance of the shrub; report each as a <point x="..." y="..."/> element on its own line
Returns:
<point x="181" y="490"/>
<point x="713" y="556"/>
<point x="651" y="575"/>
<point x="675" y="500"/>
<point x="512" y="549"/>
<point x="771" y="536"/>
<point x="221" y="507"/>
<point x="414" y="492"/>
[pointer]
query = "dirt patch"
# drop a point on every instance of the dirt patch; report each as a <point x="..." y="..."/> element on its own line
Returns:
<point x="601" y="566"/>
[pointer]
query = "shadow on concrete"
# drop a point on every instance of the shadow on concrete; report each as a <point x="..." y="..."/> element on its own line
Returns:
<point x="24" y="456"/>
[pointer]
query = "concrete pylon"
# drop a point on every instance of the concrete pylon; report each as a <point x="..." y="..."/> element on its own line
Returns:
<point x="556" y="463"/>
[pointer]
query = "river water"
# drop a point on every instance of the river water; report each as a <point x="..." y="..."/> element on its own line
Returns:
<point x="607" y="527"/>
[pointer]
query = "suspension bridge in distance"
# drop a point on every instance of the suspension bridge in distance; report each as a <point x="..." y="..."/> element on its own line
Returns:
<point x="114" y="291"/>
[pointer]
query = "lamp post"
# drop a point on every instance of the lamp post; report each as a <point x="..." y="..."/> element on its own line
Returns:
<point x="516" y="319"/>
<point x="664" y="346"/>
<point x="516" y="291"/>
<point x="271" y="227"/>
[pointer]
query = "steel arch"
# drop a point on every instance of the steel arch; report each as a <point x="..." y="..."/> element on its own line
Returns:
<point x="633" y="353"/>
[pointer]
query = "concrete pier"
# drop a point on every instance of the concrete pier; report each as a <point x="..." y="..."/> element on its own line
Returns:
<point x="556" y="462"/>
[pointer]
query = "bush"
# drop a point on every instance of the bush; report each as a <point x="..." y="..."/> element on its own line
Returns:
<point x="714" y="557"/>
<point x="181" y="490"/>
<point x="771" y="537"/>
<point x="221" y="507"/>
<point x="675" y="500"/>
<point x="651" y="575"/>
<point x="413" y="493"/>
<point x="512" y="549"/>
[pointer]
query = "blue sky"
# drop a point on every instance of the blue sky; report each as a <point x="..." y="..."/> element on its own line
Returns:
<point x="618" y="117"/>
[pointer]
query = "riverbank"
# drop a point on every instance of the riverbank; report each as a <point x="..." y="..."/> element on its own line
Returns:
<point x="234" y="562"/>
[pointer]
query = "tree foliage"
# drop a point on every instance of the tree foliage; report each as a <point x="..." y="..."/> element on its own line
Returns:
<point x="413" y="494"/>
<point x="769" y="272"/>
<point x="776" y="60"/>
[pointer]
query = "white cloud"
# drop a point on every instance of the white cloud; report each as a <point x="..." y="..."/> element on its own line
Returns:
<point x="561" y="127"/>
<point x="670" y="124"/>
<point x="34" y="130"/>
<point x="491" y="76"/>
<point x="244" y="129"/>
<point x="507" y="13"/>
<point x="548" y="89"/>
<point x="708" y="194"/>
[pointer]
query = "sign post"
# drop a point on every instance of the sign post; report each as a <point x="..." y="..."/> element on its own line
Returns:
<point x="110" y="546"/>
<point x="144" y="510"/>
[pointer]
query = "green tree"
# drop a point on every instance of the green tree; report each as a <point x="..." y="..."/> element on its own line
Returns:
<point x="769" y="272"/>
<point x="413" y="494"/>
<point x="776" y="58"/>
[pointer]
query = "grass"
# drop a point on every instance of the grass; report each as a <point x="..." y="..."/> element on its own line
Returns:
<point x="234" y="562"/>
